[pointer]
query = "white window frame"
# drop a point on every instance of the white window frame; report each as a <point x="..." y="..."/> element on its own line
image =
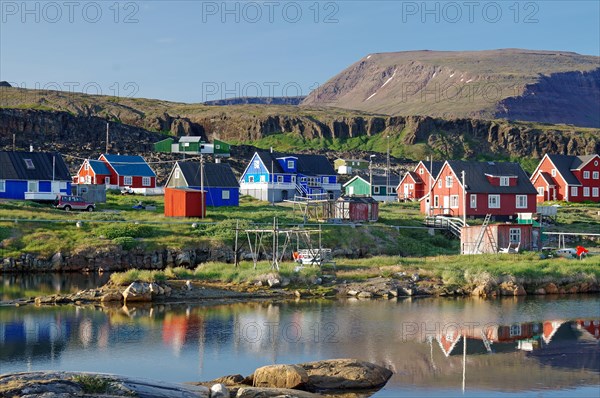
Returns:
<point x="279" y="179"/>
<point x="263" y="178"/>
<point x="376" y="189"/>
<point x="449" y="181"/>
<point x="454" y="201"/>
<point x="256" y="164"/>
<point x="473" y="201"/>
<point x="29" y="164"/>
<point x="574" y="191"/>
<point x="34" y="184"/>
<point x="504" y="181"/>
<point x="553" y="172"/>
<point x="514" y="235"/>
<point x="595" y="175"/>
<point x="225" y="195"/>
<point x="127" y="180"/>
<point x="325" y="180"/>
<point x="496" y="204"/>
<point x="293" y="179"/>
<point x="106" y="180"/>
<point x="586" y="175"/>
<point x="86" y="166"/>
<point x="2" y="185"/>
<point x="250" y="178"/>
<point x="595" y="192"/>
<point x="146" y="181"/>
<point x="515" y="330"/>
<point x="540" y="191"/>
<point x="88" y="179"/>
<point x="62" y="185"/>
<point x="177" y="174"/>
<point x="421" y="171"/>
<point x="412" y="186"/>
<point x="290" y="164"/>
<point x="521" y="201"/>
<point x="436" y="201"/>
<point x="586" y="192"/>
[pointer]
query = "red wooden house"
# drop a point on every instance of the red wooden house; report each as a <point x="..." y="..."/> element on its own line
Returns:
<point x="501" y="189"/>
<point x="415" y="184"/>
<point x="569" y="178"/>
<point x="117" y="171"/>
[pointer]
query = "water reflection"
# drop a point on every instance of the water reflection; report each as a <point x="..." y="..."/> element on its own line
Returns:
<point x="14" y="286"/>
<point x="421" y="340"/>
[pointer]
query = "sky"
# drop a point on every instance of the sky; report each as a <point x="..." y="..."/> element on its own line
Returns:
<point x="194" y="51"/>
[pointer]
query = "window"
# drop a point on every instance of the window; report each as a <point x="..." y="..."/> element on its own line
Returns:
<point x="106" y="180"/>
<point x="290" y="164"/>
<point x="263" y="178"/>
<point x="595" y="175"/>
<point x="88" y="179"/>
<point x="325" y="180"/>
<point x="177" y="174"/>
<point x="217" y="146"/>
<point x="2" y="186"/>
<point x="553" y="172"/>
<point x="515" y="330"/>
<point x="586" y="191"/>
<point x="127" y="180"/>
<point x="473" y="201"/>
<point x="86" y="166"/>
<point x="32" y="186"/>
<point x="225" y="194"/>
<point x="146" y="181"/>
<point x="29" y="165"/>
<point x="250" y="178"/>
<point x="514" y="235"/>
<point x="279" y="179"/>
<point x="436" y="201"/>
<point x="595" y="192"/>
<point x="376" y="190"/>
<point x="412" y="186"/>
<point x="421" y="171"/>
<point x="521" y="201"/>
<point x="62" y="185"/>
<point x="540" y="191"/>
<point x="573" y="191"/>
<point x="439" y="183"/>
<point x="586" y="175"/>
<point x="494" y="201"/>
<point x="449" y="181"/>
<point x="504" y="181"/>
<point x="257" y="164"/>
<point x="294" y="179"/>
<point x="454" y="201"/>
<point x="81" y="180"/>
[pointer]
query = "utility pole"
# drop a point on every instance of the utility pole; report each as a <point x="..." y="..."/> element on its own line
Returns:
<point x="14" y="142"/>
<point x="371" y="175"/>
<point x="387" y="171"/>
<point x="107" y="133"/>
<point x="236" y="261"/>
<point x="430" y="158"/>
<point x="462" y="174"/>
<point x="202" y="186"/>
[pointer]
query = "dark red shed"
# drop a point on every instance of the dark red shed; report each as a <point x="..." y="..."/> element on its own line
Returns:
<point x="357" y="208"/>
<point x="184" y="203"/>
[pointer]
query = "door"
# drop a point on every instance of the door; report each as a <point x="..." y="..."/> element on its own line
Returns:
<point x="406" y="191"/>
<point x="55" y="187"/>
<point x="446" y="204"/>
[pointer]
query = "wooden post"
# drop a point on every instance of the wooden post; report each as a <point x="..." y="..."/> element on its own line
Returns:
<point x="235" y="246"/>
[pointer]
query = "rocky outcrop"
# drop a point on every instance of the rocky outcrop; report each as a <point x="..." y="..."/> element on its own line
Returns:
<point x="280" y="376"/>
<point x="257" y="101"/>
<point x="345" y="374"/>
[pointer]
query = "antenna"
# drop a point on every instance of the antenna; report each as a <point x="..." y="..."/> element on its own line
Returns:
<point x="107" y="132"/>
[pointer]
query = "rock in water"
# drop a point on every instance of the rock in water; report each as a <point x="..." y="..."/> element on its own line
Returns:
<point x="280" y="376"/>
<point x="137" y="291"/>
<point x="345" y="374"/>
<point x="219" y="391"/>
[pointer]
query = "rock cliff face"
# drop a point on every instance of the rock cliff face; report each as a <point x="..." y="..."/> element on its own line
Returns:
<point x="84" y="136"/>
<point x="257" y="101"/>
<point x="540" y="86"/>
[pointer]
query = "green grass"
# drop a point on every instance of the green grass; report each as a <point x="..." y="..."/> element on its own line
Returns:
<point x="92" y="384"/>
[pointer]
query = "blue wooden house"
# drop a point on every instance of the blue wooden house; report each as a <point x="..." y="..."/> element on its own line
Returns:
<point x="33" y="175"/>
<point x="276" y="177"/>
<point x="221" y="185"/>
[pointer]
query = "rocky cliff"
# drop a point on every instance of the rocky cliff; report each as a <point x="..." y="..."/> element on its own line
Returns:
<point x="539" y="86"/>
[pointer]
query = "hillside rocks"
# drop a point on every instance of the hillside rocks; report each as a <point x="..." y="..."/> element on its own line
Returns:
<point x="280" y="376"/>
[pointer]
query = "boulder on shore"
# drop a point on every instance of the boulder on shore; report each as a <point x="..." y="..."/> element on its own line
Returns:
<point x="280" y="376"/>
<point x="263" y="392"/>
<point x="345" y="374"/>
<point x="137" y="291"/>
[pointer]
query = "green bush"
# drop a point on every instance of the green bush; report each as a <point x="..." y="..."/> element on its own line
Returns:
<point x="126" y="242"/>
<point x="121" y="230"/>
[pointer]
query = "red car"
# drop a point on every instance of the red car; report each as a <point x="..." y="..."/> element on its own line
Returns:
<point x="71" y="202"/>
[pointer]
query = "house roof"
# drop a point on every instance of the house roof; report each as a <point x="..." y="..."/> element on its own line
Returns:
<point x="476" y="180"/>
<point x="357" y="199"/>
<point x="580" y="161"/>
<point x="382" y="180"/>
<point x="130" y="165"/>
<point x="434" y="167"/>
<point x="310" y="165"/>
<point x="416" y="177"/>
<point x="14" y="167"/>
<point x="547" y="177"/>
<point x="216" y="175"/>
<point x="190" y="139"/>
<point x="563" y="166"/>
<point x="99" y="167"/>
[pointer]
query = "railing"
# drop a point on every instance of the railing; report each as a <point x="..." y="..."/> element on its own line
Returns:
<point x="452" y="224"/>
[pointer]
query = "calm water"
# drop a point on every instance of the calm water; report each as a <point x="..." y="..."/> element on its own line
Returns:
<point x="515" y="347"/>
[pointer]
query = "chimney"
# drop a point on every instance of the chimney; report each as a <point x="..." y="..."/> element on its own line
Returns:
<point x="30" y="148"/>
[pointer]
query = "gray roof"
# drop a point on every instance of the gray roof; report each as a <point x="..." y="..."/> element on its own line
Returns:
<point x="434" y="167"/>
<point x="216" y="175"/>
<point x="476" y="180"/>
<point x="130" y="165"/>
<point x="310" y="165"/>
<point x="382" y="180"/>
<point x="14" y="167"/>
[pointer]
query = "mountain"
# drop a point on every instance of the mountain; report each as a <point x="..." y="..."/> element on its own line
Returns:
<point x="257" y="101"/>
<point x="514" y="84"/>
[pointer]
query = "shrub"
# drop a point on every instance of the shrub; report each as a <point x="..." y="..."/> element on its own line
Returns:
<point x="121" y="230"/>
<point x="126" y="242"/>
<point x="93" y="384"/>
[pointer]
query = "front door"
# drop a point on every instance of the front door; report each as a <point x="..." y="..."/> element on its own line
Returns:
<point x="446" y="204"/>
<point x="55" y="187"/>
<point x="406" y="191"/>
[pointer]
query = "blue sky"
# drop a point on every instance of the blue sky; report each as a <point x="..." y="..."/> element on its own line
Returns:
<point x="191" y="51"/>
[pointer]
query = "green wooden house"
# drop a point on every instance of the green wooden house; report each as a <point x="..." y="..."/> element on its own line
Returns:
<point x="192" y="145"/>
<point x="164" y="145"/>
<point x="360" y="186"/>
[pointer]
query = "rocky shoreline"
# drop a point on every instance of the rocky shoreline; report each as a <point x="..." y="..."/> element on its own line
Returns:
<point x="274" y="287"/>
<point x="332" y="378"/>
